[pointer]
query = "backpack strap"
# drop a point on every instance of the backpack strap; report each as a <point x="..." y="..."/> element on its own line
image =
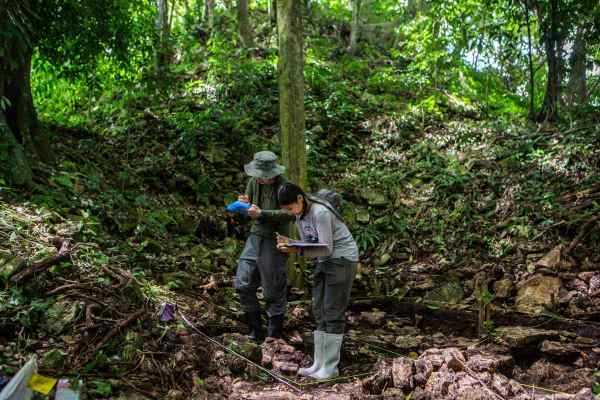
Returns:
<point x="327" y="206"/>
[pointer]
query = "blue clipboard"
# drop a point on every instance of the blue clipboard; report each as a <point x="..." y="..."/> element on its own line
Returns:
<point x="238" y="207"/>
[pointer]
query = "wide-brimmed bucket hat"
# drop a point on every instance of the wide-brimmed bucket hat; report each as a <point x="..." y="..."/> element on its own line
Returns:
<point x="264" y="166"/>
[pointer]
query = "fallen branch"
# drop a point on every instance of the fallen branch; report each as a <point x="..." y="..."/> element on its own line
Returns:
<point x="582" y="232"/>
<point x="146" y="393"/>
<point x="68" y="286"/>
<point x="112" y="334"/>
<point x="64" y="254"/>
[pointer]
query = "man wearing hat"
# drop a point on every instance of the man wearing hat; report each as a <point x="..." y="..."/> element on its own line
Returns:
<point x="260" y="263"/>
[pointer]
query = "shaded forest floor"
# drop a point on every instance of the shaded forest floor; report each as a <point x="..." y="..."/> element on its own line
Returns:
<point x="459" y="212"/>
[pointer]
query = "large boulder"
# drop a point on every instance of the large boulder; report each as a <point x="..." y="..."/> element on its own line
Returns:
<point x="519" y="337"/>
<point x="503" y="288"/>
<point x="538" y="294"/>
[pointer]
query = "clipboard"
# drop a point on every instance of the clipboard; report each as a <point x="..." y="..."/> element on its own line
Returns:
<point x="238" y="207"/>
<point x="302" y="245"/>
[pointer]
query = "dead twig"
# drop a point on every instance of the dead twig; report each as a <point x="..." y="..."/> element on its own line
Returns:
<point x="68" y="286"/>
<point x="582" y="233"/>
<point x="146" y="393"/>
<point x="86" y="297"/>
<point x="111" y="334"/>
<point x="64" y="254"/>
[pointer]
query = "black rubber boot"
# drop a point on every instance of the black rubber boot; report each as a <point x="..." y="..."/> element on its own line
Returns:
<point x="257" y="333"/>
<point x="275" y="329"/>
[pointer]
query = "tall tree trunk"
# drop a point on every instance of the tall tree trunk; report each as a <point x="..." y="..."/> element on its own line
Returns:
<point x="291" y="104"/>
<point x="14" y="166"/>
<point x="549" y="110"/>
<point x="291" y="89"/>
<point x="162" y="30"/>
<point x="530" y="60"/>
<point x="413" y="7"/>
<point x="355" y="28"/>
<point x="577" y="88"/>
<point x="13" y="163"/>
<point x="244" y="23"/>
<point x="209" y="13"/>
<point x="308" y="8"/>
<point x="20" y="133"/>
<point x="273" y="12"/>
<point x="27" y="118"/>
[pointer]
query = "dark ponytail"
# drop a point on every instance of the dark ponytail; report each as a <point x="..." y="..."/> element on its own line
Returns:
<point x="288" y="193"/>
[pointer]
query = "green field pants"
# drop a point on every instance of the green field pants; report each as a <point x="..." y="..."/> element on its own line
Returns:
<point x="333" y="280"/>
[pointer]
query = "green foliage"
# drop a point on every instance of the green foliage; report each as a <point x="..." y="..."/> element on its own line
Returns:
<point x="75" y="32"/>
<point x="100" y="388"/>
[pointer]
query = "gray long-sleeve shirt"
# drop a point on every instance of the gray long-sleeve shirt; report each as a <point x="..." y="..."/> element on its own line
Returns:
<point x="320" y="225"/>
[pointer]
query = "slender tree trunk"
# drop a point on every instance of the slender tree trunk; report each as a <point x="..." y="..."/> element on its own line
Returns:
<point x="413" y="7"/>
<point x="291" y="89"/>
<point x="308" y="8"/>
<point x="244" y="23"/>
<point x="578" y="78"/>
<point x="530" y="60"/>
<point x="209" y="13"/>
<point x="162" y="30"/>
<point x="171" y="16"/>
<point x="291" y="104"/>
<point x="14" y="166"/>
<point x="549" y="110"/>
<point x="355" y="28"/>
<point x="27" y="118"/>
<point x="273" y="12"/>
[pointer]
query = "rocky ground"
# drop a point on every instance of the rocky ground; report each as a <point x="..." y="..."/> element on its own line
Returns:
<point x="539" y="340"/>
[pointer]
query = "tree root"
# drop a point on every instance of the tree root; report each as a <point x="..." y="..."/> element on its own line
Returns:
<point x="112" y="334"/>
<point x="582" y="233"/>
<point x="64" y="254"/>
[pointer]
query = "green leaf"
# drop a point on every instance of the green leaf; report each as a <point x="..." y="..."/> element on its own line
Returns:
<point x="101" y="388"/>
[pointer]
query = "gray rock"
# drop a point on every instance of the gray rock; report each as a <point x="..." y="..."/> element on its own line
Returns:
<point x="451" y="292"/>
<point x="393" y="394"/>
<point x="522" y="337"/>
<point x="374" y="198"/>
<point x="481" y="362"/>
<point x="402" y="371"/>
<point x="594" y="289"/>
<point x="423" y="367"/>
<point x="408" y="342"/>
<point x="558" y="349"/>
<point x="503" y="288"/>
<point x="375" y="317"/>
<point x="584" y="394"/>
<point x="538" y="294"/>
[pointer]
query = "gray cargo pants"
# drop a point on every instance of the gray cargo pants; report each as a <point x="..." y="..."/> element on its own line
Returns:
<point x="331" y="293"/>
<point x="261" y="264"/>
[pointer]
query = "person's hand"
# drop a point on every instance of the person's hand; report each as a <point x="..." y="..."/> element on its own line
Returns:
<point x="244" y="198"/>
<point x="254" y="211"/>
<point x="282" y="240"/>
<point x="282" y="245"/>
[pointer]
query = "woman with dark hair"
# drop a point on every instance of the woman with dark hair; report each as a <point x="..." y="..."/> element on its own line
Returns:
<point x="337" y="259"/>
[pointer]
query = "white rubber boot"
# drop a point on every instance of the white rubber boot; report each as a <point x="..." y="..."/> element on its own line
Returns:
<point x="330" y="356"/>
<point x="318" y="335"/>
